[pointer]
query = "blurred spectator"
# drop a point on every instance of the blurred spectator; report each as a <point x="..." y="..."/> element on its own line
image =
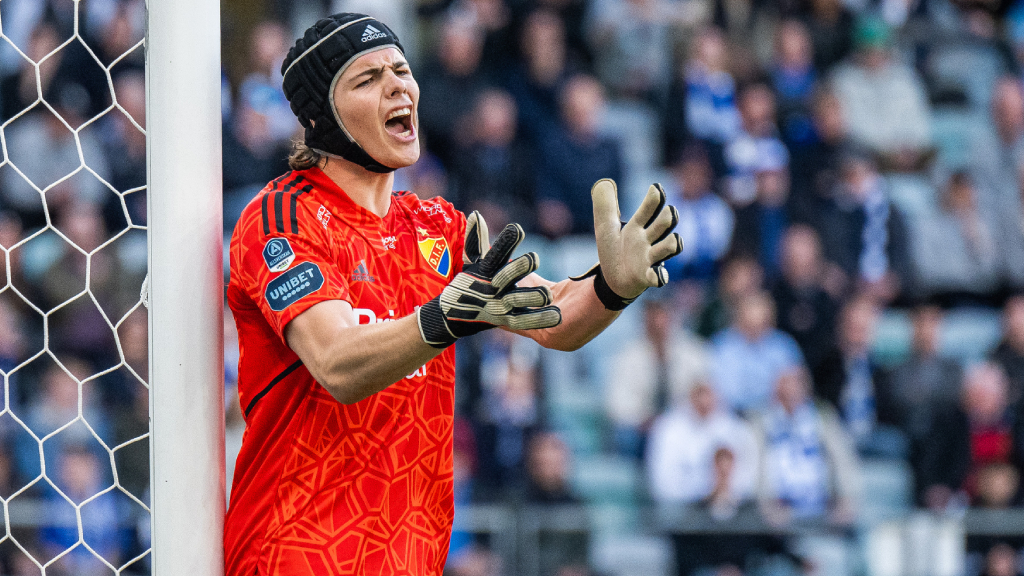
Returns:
<point x="761" y="224"/>
<point x="741" y="277"/>
<point x="683" y="460"/>
<point x="573" y="13"/>
<point x="536" y="80"/>
<point x="966" y="441"/>
<point x="79" y="475"/>
<point x="749" y="356"/>
<point x="806" y="309"/>
<point x="863" y="233"/>
<point x="463" y="469"/>
<point x="702" y="100"/>
<point x="47" y="152"/>
<point x="1002" y="169"/>
<point x="12" y="338"/>
<point x="71" y="65"/>
<point x="632" y="43"/>
<point x="493" y="171"/>
<point x="831" y="25"/>
<point x="925" y="384"/>
<point x="849" y="381"/>
<point x="724" y="553"/>
<point x="548" y="465"/>
<point x="651" y="374"/>
<point x="756" y="148"/>
<point x="124" y="146"/>
<point x="123" y="31"/>
<point x="793" y="76"/>
<point x="55" y="404"/>
<point x="809" y="469"/>
<point x="1009" y="354"/>
<point x="79" y="327"/>
<point x="453" y="78"/>
<point x="509" y="411"/>
<point x="572" y="158"/>
<point x="884" y="102"/>
<point x="706" y="222"/>
<point x="474" y="560"/>
<point x="261" y="88"/>
<point x="20" y="89"/>
<point x="1001" y="560"/>
<point x="253" y="153"/>
<point x="956" y="249"/>
<point x="817" y="158"/>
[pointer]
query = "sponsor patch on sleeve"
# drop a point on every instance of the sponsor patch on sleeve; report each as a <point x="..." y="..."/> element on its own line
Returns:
<point x="278" y="254"/>
<point x="295" y="284"/>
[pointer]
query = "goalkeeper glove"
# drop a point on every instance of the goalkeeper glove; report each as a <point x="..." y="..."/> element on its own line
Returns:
<point x="484" y="294"/>
<point x="631" y="254"/>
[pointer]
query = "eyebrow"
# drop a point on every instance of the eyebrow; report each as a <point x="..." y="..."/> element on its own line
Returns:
<point x="378" y="71"/>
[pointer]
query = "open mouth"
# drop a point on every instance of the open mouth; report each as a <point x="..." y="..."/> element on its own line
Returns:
<point x="399" y="123"/>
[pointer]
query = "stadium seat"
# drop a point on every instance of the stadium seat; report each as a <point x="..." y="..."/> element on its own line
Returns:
<point x="888" y="490"/>
<point x="968" y="334"/>
<point x="913" y="194"/>
<point x="970" y="67"/>
<point x="892" y="338"/>
<point x="606" y="479"/>
<point x="632" y="555"/>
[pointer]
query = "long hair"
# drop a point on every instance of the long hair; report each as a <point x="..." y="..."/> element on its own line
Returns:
<point x="303" y="157"/>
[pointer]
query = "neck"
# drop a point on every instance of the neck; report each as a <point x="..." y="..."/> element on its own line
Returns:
<point x="367" y="189"/>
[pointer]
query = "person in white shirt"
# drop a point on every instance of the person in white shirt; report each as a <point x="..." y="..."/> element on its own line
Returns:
<point x="682" y="447"/>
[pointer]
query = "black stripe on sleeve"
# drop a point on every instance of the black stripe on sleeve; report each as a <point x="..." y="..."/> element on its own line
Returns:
<point x="279" y="211"/>
<point x="266" y="218"/>
<point x="294" y="201"/>
<point x="278" y="378"/>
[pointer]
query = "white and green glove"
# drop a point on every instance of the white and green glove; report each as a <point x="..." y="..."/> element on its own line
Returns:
<point x="632" y="254"/>
<point x="484" y="295"/>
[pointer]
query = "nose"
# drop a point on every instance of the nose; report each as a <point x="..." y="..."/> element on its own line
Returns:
<point x="395" y="85"/>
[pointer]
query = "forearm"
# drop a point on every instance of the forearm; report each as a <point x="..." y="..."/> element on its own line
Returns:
<point x="583" y="314"/>
<point x="354" y="361"/>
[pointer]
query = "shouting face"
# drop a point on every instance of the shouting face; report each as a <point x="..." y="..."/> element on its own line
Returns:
<point x="376" y="99"/>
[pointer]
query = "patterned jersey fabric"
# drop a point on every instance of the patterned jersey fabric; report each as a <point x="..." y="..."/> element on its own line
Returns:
<point x="323" y="488"/>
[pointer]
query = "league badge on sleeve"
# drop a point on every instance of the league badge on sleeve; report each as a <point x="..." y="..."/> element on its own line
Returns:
<point x="435" y="251"/>
<point x="278" y="254"/>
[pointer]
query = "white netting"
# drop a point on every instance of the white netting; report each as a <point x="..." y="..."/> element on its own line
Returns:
<point x="74" y="441"/>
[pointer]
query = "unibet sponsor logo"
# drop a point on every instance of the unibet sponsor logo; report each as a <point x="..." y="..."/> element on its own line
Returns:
<point x="371" y="33"/>
<point x="295" y="284"/>
<point x="278" y="254"/>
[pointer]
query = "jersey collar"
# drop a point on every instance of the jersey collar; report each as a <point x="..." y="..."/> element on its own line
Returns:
<point x="343" y="207"/>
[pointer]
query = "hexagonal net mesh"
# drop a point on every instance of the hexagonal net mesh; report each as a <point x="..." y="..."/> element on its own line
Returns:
<point x="74" y="425"/>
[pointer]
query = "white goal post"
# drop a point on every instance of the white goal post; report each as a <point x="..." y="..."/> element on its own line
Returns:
<point x="183" y="125"/>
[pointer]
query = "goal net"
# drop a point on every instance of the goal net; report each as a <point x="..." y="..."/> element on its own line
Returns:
<point x="111" y="424"/>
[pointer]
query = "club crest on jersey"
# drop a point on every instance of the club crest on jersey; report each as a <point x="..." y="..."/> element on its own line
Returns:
<point x="435" y="251"/>
<point x="278" y="254"/>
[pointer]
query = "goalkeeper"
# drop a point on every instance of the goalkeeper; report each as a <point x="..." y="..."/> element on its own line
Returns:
<point x="348" y="297"/>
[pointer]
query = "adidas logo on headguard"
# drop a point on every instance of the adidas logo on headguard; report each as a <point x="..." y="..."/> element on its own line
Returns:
<point x="371" y="33"/>
<point x="361" y="273"/>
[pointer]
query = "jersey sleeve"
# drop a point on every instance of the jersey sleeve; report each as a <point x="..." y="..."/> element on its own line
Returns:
<point x="289" y="269"/>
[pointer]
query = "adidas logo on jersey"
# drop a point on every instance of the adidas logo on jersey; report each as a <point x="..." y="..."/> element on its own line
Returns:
<point x="362" y="273"/>
<point x="371" y="33"/>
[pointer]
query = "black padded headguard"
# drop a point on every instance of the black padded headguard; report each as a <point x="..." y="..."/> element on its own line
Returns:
<point x="311" y="70"/>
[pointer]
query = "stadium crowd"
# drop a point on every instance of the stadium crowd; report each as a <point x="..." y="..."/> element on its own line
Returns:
<point x="850" y="300"/>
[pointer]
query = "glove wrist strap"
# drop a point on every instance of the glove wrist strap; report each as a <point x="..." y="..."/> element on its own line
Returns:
<point x="433" y="328"/>
<point x="605" y="294"/>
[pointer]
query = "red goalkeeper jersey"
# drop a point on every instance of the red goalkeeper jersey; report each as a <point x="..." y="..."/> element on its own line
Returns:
<point x="322" y="488"/>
